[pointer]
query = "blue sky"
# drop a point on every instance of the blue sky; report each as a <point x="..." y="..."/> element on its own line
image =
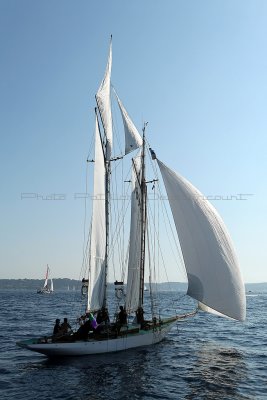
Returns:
<point x="196" y="70"/>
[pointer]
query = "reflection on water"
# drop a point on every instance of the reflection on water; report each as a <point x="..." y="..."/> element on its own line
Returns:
<point x="113" y="376"/>
<point x="218" y="374"/>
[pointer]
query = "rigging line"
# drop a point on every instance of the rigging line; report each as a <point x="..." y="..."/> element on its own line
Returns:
<point x="86" y="255"/>
<point x="123" y="226"/>
<point x="117" y="228"/>
<point x="115" y="122"/>
<point x="85" y="207"/>
<point x="150" y="269"/>
<point x="177" y="243"/>
<point x="155" y="274"/>
<point x="174" y="236"/>
<point x="118" y="224"/>
<point x="91" y="146"/>
<point x="161" y="253"/>
<point x="152" y="164"/>
<point x="120" y="209"/>
<point x="178" y="251"/>
<point x="117" y="213"/>
<point x="153" y="286"/>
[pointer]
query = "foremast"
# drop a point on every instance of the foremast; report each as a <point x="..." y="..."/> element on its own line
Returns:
<point x="107" y="161"/>
<point x="143" y="220"/>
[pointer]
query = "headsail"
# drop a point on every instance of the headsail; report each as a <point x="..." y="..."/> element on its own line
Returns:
<point x="133" y="279"/>
<point x="213" y="273"/>
<point x="96" y="285"/>
<point x="133" y="139"/>
<point x="103" y="104"/>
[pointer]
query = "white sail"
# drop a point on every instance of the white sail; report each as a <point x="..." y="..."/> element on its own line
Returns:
<point x="52" y="285"/>
<point x="46" y="277"/>
<point x="104" y="106"/>
<point x="133" y="279"/>
<point x="213" y="273"/>
<point x="96" y="284"/>
<point x="133" y="139"/>
<point x="210" y="310"/>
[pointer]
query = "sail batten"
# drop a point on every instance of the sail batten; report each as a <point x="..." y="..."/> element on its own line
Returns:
<point x="214" y="276"/>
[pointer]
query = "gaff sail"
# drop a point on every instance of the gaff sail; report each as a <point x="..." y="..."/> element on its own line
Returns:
<point x="133" y="279"/>
<point x="96" y="284"/>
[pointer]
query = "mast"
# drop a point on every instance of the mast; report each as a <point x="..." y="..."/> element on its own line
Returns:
<point x="143" y="221"/>
<point x="104" y="109"/>
<point x="107" y="197"/>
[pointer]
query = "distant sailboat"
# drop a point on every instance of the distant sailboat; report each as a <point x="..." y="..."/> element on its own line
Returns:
<point x="214" y="278"/>
<point x="46" y="289"/>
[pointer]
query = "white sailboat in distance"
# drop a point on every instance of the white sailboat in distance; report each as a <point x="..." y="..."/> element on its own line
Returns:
<point x="46" y="289"/>
<point x="206" y="250"/>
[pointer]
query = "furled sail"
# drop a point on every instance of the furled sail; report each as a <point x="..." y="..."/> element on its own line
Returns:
<point x="96" y="279"/>
<point x="133" y="279"/>
<point x="133" y="139"/>
<point x="213" y="273"/>
<point x="104" y="106"/>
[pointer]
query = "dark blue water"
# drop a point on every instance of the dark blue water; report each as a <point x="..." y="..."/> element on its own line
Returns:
<point x="205" y="357"/>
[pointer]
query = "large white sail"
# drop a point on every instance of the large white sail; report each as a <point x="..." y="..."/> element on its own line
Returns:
<point x="104" y="106"/>
<point x="133" y="139"/>
<point x="133" y="279"/>
<point x="96" y="284"/>
<point x="213" y="273"/>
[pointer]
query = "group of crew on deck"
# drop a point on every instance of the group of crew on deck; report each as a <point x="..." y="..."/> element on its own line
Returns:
<point x="96" y="324"/>
<point x="61" y="329"/>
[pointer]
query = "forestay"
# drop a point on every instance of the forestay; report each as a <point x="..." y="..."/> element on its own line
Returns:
<point x="213" y="273"/>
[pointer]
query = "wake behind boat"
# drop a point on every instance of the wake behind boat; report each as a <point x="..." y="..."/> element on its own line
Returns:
<point x="203" y="243"/>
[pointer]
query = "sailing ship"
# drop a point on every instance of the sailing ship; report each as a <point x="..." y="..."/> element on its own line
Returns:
<point x="205" y="247"/>
<point x="46" y="289"/>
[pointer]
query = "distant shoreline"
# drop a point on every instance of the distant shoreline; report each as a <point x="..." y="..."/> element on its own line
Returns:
<point x="73" y="284"/>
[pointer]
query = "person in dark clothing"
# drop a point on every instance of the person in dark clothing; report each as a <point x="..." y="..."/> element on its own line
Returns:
<point x="83" y="331"/>
<point x="140" y="316"/>
<point x="122" y="316"/>
<point x="65" y="327"/>
<point x="102" y="316"/>
<point x="56" y="327"/>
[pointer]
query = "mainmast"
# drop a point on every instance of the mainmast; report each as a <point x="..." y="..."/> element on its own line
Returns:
<point x="143" y="220"/>
<point x="104" y="109"/>
<point x="107" y="197"/>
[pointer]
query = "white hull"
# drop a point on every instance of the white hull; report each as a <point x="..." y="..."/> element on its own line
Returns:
<point x="82" y="348"/>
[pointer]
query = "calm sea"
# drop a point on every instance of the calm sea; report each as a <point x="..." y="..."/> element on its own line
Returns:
<point x="204" y="357"/>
